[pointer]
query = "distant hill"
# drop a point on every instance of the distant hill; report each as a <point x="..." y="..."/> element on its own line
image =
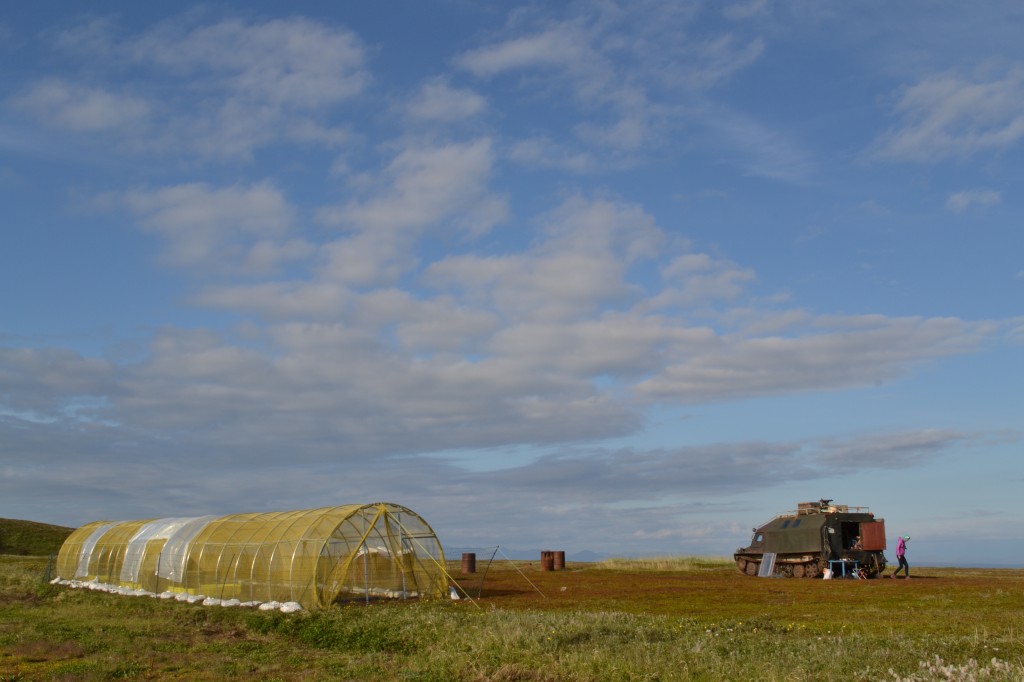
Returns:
<point x="29" y="538"/>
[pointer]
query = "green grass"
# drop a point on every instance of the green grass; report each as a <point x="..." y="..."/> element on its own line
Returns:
<point x="28" y="538"/>
<point x="638" y="621"/>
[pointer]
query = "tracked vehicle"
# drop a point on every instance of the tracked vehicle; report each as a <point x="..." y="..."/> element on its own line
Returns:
<point x="804" y="542"/>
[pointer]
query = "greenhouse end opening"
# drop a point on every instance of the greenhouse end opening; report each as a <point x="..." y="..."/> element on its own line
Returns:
<point x="305" y="559"/>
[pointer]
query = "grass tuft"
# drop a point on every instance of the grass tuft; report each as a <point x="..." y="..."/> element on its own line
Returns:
<point x="667" y="563"/>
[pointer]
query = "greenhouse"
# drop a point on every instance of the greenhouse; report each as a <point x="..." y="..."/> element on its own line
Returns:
<point x="312" y="557"/>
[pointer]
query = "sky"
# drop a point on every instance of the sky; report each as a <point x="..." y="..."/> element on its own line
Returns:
<point x="620" y="277"/>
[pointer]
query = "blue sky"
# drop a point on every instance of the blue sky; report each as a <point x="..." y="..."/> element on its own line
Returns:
<point x="622" y="277"/>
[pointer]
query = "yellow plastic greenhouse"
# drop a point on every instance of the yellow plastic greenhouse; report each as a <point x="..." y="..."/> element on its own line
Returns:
<point x="312" y="557"/>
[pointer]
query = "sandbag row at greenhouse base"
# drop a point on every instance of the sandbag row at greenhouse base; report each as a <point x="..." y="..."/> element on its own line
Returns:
<point x="312" y="558"/>
<point x="287" y="607"/>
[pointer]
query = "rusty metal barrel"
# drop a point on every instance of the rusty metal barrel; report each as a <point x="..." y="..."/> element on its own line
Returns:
<point x="559" y="560"/>
<point x="469" y="562"/>
<point x="547" y="560"/>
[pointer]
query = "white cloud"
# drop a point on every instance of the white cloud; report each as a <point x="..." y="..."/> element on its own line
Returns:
<point x="46" y="380"/>
<point x="444" y="325"/>
<point x="340" y="386"/>
<point x="598" y="46"/>
<point x="697" y="277"/>
<point x="289" y="63"/>
<point x="621" y="345"/>
<point x="93" y="37"/>
<point x="852" y="352"/>
<point x="578" y="267"/>
<point x="544" y="152"/>
<point x="630" y="475"/>
<point x="631" y="130"/>
<point x="257" y="81"/>
<point x="740" y="11"/>
<point x="577" y="496"/>
<point x="546" y="345"/>
<point x="204" y="226"/>
<point x="718" y="59"/>
<point x="225" y="89"/>
<point x="759" y="150"/>
<point x="959" y="202"/>
<point x="267" y="256"/>
<point x="308" y="130"/>
<point x="424" y="184"/>
<point x="561" y="47"/>
<point x="948" y="116"/>
<point x="887" y="451"/>
<point x="443" y="188"/>
<point x="437" y="100"/>
<point x="82" y="109"/>
<point x="369" y="258"/>
<point x="278" y="300"/>
<point x="631" y="70"/>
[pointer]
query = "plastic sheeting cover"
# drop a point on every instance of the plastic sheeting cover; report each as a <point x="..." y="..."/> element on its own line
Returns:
<point x="161" y="529"/>
<point x="175" y="551"/>
<point x="87" y="547"/>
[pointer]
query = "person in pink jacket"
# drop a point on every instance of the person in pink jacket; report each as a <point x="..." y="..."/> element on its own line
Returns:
<point x="901" y="556"/>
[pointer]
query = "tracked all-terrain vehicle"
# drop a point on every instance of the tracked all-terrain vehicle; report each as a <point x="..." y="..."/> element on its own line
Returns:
<point x="817" y="536"/>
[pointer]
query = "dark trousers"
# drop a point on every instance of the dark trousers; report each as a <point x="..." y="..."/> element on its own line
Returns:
<point x="904" y="566"/>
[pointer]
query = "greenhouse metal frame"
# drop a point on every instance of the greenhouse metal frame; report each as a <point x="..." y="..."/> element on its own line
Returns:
<point x="312" y="557"/>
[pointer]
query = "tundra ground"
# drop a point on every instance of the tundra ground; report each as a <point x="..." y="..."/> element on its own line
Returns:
<point x="668" y="619"/>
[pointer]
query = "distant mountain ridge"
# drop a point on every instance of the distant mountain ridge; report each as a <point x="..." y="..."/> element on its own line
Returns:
<point x="30" y="538"/>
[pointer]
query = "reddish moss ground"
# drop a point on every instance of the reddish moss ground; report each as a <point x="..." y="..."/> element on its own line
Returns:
<point x="938" y="600"/>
